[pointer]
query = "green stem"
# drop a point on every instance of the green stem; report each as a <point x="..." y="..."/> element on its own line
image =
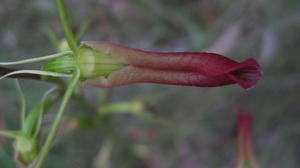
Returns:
<point x="67" y="28"/>
<point x="55" y="126"/>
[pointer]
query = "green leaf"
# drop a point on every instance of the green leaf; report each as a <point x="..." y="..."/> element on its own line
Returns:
<point x="11" y="134"/>
<point x="32" y="120"/>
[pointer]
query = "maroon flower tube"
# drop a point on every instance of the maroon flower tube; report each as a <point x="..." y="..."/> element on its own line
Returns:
<point x="245" y="149"/>
<point x="177" y="68"/>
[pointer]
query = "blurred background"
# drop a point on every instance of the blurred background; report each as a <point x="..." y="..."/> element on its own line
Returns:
<point x="203" y="131"/>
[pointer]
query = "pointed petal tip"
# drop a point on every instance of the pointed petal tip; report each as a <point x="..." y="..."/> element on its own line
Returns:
<point x="246" y="74"/>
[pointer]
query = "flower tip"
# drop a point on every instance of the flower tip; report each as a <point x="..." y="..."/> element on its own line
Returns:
<point x="246" y="74"/>
<point x="243" y="116"/>
<point x="244" y="122"/>
<point x="246" y="157"/>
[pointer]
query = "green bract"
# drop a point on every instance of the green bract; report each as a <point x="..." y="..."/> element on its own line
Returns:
<point x="65" y="65"/>
<point x="91" y="63"/>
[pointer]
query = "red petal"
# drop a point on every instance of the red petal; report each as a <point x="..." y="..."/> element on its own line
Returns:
<point x="205" y="63"/>
<point x="131" y="74"/>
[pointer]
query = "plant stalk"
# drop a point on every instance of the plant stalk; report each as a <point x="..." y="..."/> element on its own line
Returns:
<point x="55" y="126"/>
<point x="66" y="25"/>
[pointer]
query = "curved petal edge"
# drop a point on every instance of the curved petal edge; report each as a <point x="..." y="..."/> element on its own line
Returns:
<point x="246" y="73"/>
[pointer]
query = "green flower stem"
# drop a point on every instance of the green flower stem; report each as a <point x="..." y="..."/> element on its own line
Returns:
<point x="67" y="28"/>
<point x="50" y="139"/>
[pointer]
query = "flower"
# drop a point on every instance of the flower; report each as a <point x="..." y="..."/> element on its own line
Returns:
<point x="246" y="157"/>
<point x="104" y="64"/>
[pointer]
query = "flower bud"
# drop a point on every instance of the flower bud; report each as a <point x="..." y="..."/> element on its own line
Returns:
<point x="63" y="46"/>
<point x="246" y="157"/>
<point x="27" y="150"/>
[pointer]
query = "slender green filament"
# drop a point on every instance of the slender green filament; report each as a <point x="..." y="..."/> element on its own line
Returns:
<point x="32" y="60"/>
<point x="39" y="122"/>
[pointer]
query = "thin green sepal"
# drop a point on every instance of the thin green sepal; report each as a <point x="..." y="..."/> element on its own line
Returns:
<point x="23" y="102"/>
<point x="43" y="109"/>
<point x="32" y="60"/>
